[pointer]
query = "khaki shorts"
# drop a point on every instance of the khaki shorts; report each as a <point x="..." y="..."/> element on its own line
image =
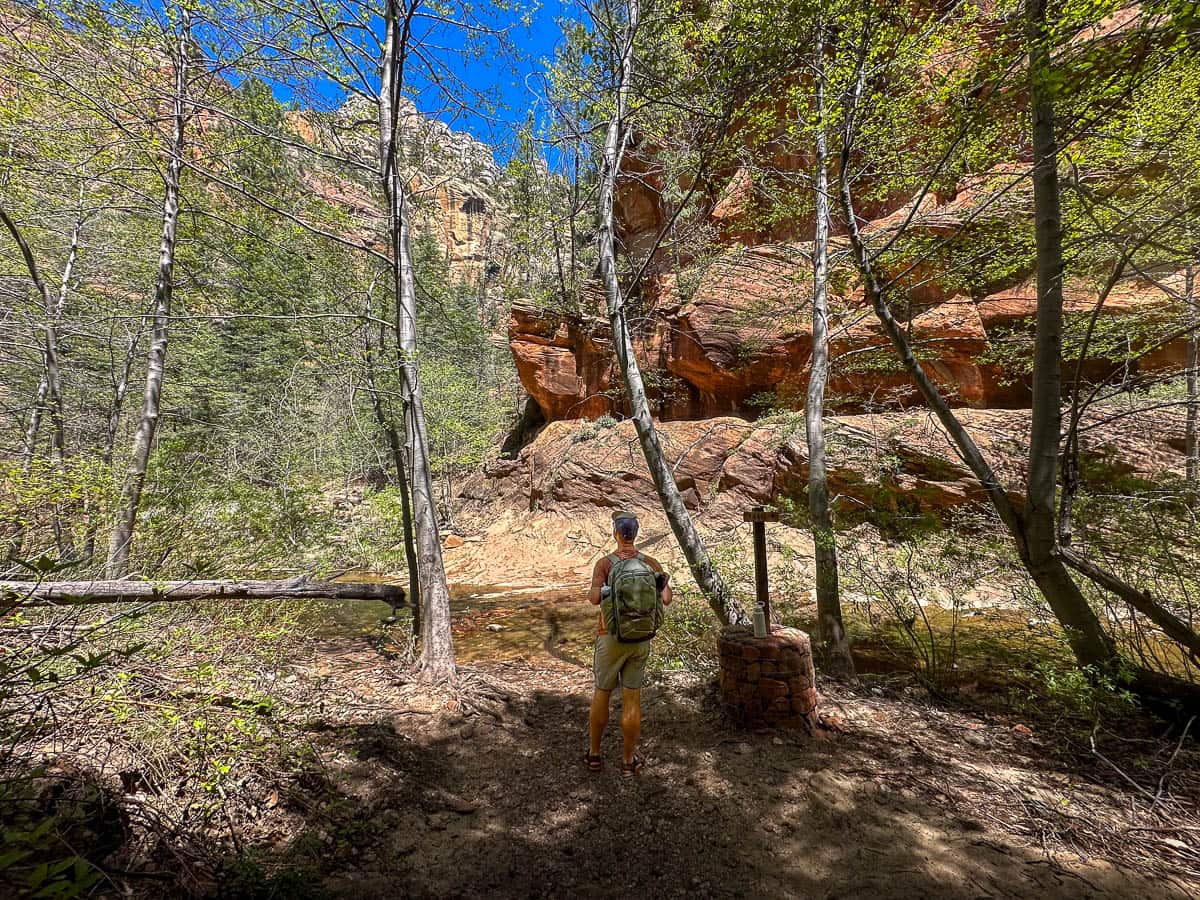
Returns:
<point x="617" y="663"/>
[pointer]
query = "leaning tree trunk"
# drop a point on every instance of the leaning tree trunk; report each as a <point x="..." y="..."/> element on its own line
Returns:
<point x="49" y="393"/>
<point x="1192" y="439"/>
<point x="707" y="578"/>
<point x="437" y="648"/>
<point x="121" y="537"/>
<point x="1088" y="641"/>
<point x="1091" y="646"/>
<point x="831" y="632"/>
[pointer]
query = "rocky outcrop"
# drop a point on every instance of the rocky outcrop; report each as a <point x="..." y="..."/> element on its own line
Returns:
<point x="722" y="308"/>
<point x="883" y="467"/>
<point x="549" y="507"/>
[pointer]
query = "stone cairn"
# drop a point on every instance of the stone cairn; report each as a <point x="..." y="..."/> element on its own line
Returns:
<point x="769" y="682"/>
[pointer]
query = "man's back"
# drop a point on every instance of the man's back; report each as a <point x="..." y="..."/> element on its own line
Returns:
<point x="604" y="568"/>
<point x="621" y="663"/>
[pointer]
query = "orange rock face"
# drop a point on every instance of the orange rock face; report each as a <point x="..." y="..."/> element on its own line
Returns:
<point x="741" y="343"/>
<point x="723" y="310"/>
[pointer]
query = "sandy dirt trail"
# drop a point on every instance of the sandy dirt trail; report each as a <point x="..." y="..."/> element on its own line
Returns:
<point x="482" y="793"/>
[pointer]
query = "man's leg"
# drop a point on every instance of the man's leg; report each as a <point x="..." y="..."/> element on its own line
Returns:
<point x="631" y="719"/>
<point x="598" y="720"/>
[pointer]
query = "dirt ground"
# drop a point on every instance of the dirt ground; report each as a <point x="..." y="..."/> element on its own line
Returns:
<point x="482" y="793"/>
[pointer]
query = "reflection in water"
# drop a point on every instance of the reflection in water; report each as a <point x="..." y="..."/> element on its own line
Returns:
<point x="491" y="622"/>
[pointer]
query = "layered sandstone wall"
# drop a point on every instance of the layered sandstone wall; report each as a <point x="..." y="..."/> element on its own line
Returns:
<point x="879" y="465"/>
<point x="549" y="505"/>
<point x="721" y="313"/>
<point x="741" y="343"/>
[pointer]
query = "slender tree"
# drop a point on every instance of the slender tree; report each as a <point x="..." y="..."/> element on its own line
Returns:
<point x="49" y="393"/>
<point x="121" y="537"/>
<point x="397" y="449"/>
<point x="707" y="577"/>
<point x="831" y="631"/>
<point x="437" y="649"/>
<point x="1192" y="438"/>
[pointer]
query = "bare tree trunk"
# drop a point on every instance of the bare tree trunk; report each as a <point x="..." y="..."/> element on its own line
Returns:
<point x="121" y="537"/>
<point x="120" y="389"/>
<point x="830" y="629"/>
<point x="50" y="386"/>
<point x="35" y="421"/>
<point x="1093" y="646"/>
<point x="49" y="393"/>
<point x="437" y="648"/>
<point x="396" y="447"/>
<point x="709" y="580"/>
<point x="1192" y="439"/>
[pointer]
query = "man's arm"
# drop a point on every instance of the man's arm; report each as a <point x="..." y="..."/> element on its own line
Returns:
<point x="665" y="593"/>
<point x="599" y="576"/>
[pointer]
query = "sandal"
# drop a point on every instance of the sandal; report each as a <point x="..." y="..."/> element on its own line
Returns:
<point x="594" y="763"/>
<point x="634" y="767"/>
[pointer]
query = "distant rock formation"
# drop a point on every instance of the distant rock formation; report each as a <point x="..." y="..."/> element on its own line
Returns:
<point x="457" y="186"/>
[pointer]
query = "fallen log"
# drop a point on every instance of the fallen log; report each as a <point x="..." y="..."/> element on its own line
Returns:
<point x="86" y="593"/>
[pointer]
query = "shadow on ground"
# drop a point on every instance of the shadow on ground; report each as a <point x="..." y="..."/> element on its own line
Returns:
<point x="499" y="805"/>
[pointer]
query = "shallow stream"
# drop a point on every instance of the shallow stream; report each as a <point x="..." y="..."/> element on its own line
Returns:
<point x="493" y="622"/>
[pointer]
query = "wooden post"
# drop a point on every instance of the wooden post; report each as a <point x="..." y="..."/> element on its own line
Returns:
<point x="758" y="517"/>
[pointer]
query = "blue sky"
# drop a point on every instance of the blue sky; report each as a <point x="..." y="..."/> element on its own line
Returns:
<point x="505" y="77"/>
<point x="534" y="45"/>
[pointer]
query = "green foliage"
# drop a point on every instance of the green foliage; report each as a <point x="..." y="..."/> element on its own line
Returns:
<point x="32" y="860"/>
<point x="687" y="639"/>
<point x="1085" y="694"/>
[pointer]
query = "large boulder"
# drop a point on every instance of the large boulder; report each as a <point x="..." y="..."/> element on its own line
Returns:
<point x="878" y="464"/>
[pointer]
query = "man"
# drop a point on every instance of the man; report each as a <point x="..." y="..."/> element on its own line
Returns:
<point x="620" y="663"/>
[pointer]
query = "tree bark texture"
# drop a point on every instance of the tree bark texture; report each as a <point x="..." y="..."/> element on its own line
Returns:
<point x="707" y="578"/>
<point x="1192" y="430"/>
<point x="1091" y="643"/>
<point x="49" y="392"/>
<point x="437" y="648"/>
<point x="121" y="538"/>
<point x="397" y="450"/>
<point x="830" y="628"/>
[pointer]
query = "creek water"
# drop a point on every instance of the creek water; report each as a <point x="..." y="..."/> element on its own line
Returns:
<point x="493" y="622"/>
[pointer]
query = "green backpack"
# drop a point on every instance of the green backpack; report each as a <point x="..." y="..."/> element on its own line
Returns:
<point x="633" y="610"/>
